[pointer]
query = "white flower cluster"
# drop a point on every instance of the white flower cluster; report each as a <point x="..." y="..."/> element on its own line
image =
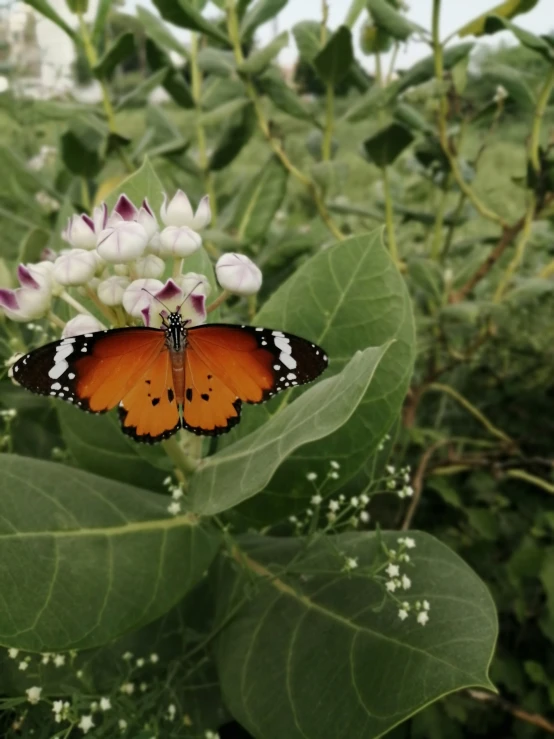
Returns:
<point x="118" y="260"/>
<point x="176" y="494"/>
<point x="399" y="480"/>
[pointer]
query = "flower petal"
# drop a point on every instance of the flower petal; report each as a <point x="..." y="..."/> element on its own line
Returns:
<point x="178" y="211"/>
<point x="81" y="324"/>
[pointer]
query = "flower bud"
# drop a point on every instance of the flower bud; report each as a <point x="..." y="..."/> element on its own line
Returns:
<point x="123" y="242"/>
<point x="75" y="267"/>
<point x="80" y="232"/>
<point x="32" y="300"/>
<point x="193" y="282"/>
<point x="149" y="266"/>
<point x="135" y="298"/>
<point x="178" y="211"/>
<point x="81" y="324"/>
<point x="147" y="219"/>
<point x="238" y="274"/>
<point x="111" y="291"/>
<point x="190" y="303"/>
<point x="179" y="241"/>
<point x="203" y="214"/>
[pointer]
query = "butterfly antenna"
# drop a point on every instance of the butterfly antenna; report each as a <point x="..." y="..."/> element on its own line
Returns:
<point x="155" y="298"/>
<point x="188" y="295"/>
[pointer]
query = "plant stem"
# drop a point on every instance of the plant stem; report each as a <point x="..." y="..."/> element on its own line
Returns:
<point x="439" y="220"/>
<point x="481" y="208"/>
<point x="182" y="461"/>
<point x="542" y="102"/>
<point x="74" y="303"/>
<point x="92" y="59"/>
<point x="196" y="84"/>
<point x="389" y="221"/>
<point x="329" y="123"/>
<point x="233" y="29"/>
<point x="533" y="479"/>
<point x="221" y="298"/>
<point x="519" y="252"/>
<point x="85" y="197"/>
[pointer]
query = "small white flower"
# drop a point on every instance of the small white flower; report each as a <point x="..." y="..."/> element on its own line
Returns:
<point x="81" y="324"/>
<point x="23" y="666"/>
<point x="143" y="687"/>
<point x="238" y="274"/>
<point x="123" y="242"/>
<point x="211" y="735"/>
<point x="316" y="499"/>
<point x="178" y="212"/>
<point x="177" y="493"/>
<point x="140" y="662"/>
<point x="105" y="704"/>
<point x="149" y="266"/>
<point x="128" y="688"/>
<point x="59" y="660"/>
<point x="174" y="508"/>
<point x="391" y="585"/>
<point x="311" y="476"/>
<point x="351" y="563"/>
<point x="154" y="658"/>
<point x="335" y="465"/>
<point x="57" y="706"/>
<point x="293" y="519"/>
<point x="334" y="506"/>
<point x="354" y="501"/>
<point x="500" y="94"/>
<point x="391" y="485"/>
<point x="179" y="241"/>
<point x="94" y="706"/>
<point x="33" y="694"/>
<point x="334" y="475"/>
<point x="408" y="491"/>
<point x="86" y="723"/>
<point x="111" y="290"/>
<point x="402" y="614"/>
<point x="127" y="656"/>
<point x="426" y="605"/>
<point x="331" y="517"/>
<point x="422" y="617"/>
<point x="406" y="582"/>
<point x="392" y="570"/>
<point x="46" y="657"/>
<point x="136" y="298"/>
<point x="122" y="724"/>
<point x="391" y="469"/>
<point x="171" y="711"/>
<point x="364" y="517"/>
<point x="13" y="652"/>
<point x="364" y="499"/>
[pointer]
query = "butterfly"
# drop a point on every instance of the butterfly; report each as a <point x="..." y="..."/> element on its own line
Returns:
<point x="164" y="379"/>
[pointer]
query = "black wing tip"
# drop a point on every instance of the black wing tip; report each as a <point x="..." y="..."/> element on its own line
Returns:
<point x="217" y="430"/>
<point x="144" y="438"/>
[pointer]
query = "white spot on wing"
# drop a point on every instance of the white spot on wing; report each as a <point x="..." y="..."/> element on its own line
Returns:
<point x="288" y="361"/>
<point x="291" y="376"/>
<point x="283" y="345"/>
<point x="60" y="365"/>
<point x="56" y="386"/>
<point x="278" y="333"/>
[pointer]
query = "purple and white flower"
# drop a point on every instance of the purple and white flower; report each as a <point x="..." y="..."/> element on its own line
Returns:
<point x="189" y="302"/>
<point x="33" y="299"/>
<point x="75" y="267"/>
<point x="238" y="274"/>
<point x="178" y="212"/>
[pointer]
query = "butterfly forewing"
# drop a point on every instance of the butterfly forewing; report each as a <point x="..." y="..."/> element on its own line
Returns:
<point x="141" y="371"/>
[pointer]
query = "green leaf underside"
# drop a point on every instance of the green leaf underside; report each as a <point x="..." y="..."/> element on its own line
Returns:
<point x="333" y="61"/>
<point x="345" y="298"/>
<point x="87" y="559"/>
<point x="318" y="658"/>
<point x="243" y="469"/>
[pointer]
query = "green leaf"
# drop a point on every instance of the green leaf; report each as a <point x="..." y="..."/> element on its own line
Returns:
<point x="320" y="411"/>
<point x="307" y="35"/>
<point x="216" y="61"/>
<point x="368" y="104"/>
<point x="282" y="96"/>
<point x="32" y="245"/>
<point x="412" y="118"/>
<point x="233" y="139"/>
<point x="98" y="445"/>
<point x="529" y="289"/>
<point x="223" y="113"/>
<point x="387" y="144"/>
<point x="160" y="33"/>
<point x="144" y="183"/>
<point x="121" y="48"/>
<point x="45" y="9"/>
<point x="356" y="7"/>
<point x="259" y="59"/>
<point x="508" y="9"/>
<point x="261" y="12"/>
<point x="391" y="21"/>
<point x="538" y="44"/>
<point x="514" y="82"/>
<point x="258" y="201"/>
<point x="333" y="62"/>
<point x="425" y="69"/>
<point x="182" y="13"/>
<point x="83" y="146"/>
<point x="174" y="82"/>
<point x="102" y="13"/>
<point x="87" y="559"/>
<point x="139" y="94"/>
<point x="344" y="298"/>
<point x="322" y="653"/>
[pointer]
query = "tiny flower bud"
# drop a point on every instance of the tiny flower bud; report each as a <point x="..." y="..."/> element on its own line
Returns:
<point x="238" y="274"/>
<point x="75" y="267"/>
<point x="178" y="211"/>
<point x="203" y="214"/>
<point x="80" y="232"/>
<point x="111" y="290"/>
<point x="179" y="241"/>
<point x="81" y="324"/>
<point x="149" y="266"/>
<point x="123" y="242"/>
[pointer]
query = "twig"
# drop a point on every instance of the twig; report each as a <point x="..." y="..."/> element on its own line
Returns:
<point x="531" y="718"/>
<point x="417" y="483"/>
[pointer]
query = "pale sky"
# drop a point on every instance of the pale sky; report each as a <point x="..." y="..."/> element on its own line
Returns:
<point x="455" y="13"/>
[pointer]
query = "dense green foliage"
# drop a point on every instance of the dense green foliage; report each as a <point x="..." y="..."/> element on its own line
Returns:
<point x="375" y="206"/>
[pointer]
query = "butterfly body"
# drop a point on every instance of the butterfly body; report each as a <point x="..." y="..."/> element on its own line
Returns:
<point x="173" y="377"/>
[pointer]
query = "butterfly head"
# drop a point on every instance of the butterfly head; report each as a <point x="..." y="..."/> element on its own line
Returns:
<point x="176" y="329"/>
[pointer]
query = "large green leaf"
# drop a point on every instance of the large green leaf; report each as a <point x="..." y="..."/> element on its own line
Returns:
<point x="307" y="35"/>
<point x="258" y="201"/>
<point x="316" y="653"/>
<point x="261" y="12"/>
<point x="138" y="95"/>
<point x="272" y="84"/>
<point x="333" y="62"/>
<point x="121" y="49"/>
<point x="542" y="45"/>
<point x="234" y="137"/>
<point x="216" y="61"/>
<point x="259" y="59"/>
<point x="344" y="298"/>
<point x="387" y="144"/>
<point x="183" y="13"/>
<point x="86" y="559"/>
<point x="391" y="21"/>
<point x="173" y="82"/>
<point x="102" y="13"/>
<point x="243" y="469"/>
<point x="144" y="183"/>
<point x="508" y="9"/>
<point x="160" y="34"/>
<point x="45" y="9"/>
<point x="98" y="445"/>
